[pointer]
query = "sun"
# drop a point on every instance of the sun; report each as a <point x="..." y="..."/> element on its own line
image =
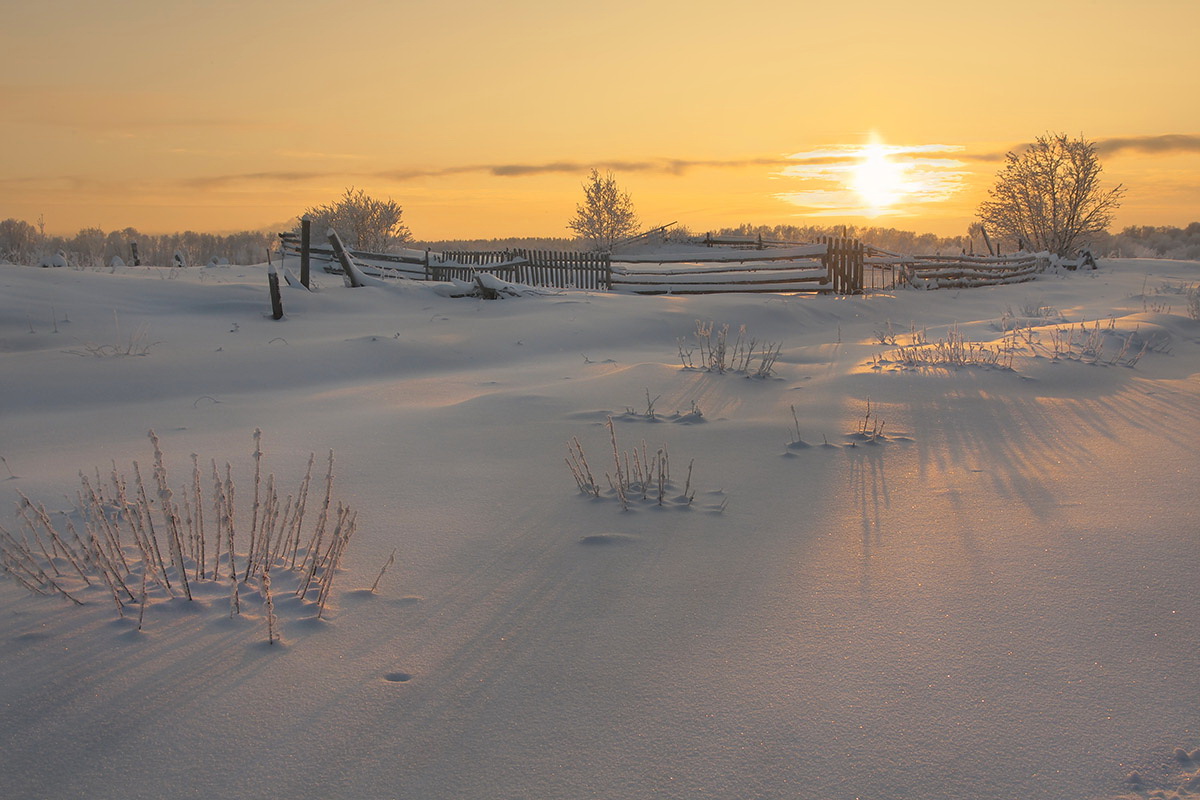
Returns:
<point x="878" y="180"/>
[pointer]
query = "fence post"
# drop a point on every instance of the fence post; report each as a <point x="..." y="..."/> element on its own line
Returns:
<point x="305" y="236"/>
<point x="856" y="253"/>
<point x="276" y="299"/>
<point x="351" y="272"/>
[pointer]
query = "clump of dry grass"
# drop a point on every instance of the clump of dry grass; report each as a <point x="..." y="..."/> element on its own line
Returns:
<point x="136" y="343"/>
<point x="638" y="475"/>
<point x="1091" y="344"/>
<point x="117" y="535"/>
<point x="717" y="353"/>
<point x="955" y="350"/>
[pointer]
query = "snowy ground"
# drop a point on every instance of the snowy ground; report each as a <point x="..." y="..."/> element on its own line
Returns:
<point x="996" y="598"/>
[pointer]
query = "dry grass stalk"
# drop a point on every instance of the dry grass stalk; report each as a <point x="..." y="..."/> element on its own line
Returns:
<point x="120" y="539"/>
<point x="391" y="560"/>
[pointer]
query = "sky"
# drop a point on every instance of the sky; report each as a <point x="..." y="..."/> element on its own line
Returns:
<point x="483" y="119"/>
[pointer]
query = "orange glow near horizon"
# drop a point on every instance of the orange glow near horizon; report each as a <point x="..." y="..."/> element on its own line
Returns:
<point x="483" y="119"/>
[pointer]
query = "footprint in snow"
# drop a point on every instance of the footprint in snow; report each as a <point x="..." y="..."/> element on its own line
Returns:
<point x="607" y="539"/>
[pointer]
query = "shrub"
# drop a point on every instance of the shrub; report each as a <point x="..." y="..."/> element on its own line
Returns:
<point x="362" y="221"/>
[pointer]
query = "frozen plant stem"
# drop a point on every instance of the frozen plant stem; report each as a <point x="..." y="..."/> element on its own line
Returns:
<point x="391" y="560"/>
<point x="270" y="604"/>
<point x="257" y="482"/>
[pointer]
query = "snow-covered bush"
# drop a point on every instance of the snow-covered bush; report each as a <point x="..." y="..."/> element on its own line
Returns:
<point x="364" y="222"/>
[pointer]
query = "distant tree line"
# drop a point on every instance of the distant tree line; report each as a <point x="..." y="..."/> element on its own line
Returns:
<point x="24" y="243"/>
<point x="557" y="243"/>
<point x="1132" y="242"/>
<point x="1148" y="241"/>
<point x="889" y="239"/>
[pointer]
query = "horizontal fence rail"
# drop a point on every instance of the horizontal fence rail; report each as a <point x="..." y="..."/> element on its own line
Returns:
<point x="694" y="278"/>
<point x="833" y="264"/>
<point x="961" y="271"/>
<point x="384" y="265"/>
<point x="541" y="268"/>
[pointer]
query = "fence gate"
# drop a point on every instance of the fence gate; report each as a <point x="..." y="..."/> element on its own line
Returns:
<point x="844" y="263"/>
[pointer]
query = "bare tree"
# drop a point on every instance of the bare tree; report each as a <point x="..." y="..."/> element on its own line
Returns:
<point x="362" y="221"/>
<point x="1048" y="196"/>
<point x="606" y="214"/>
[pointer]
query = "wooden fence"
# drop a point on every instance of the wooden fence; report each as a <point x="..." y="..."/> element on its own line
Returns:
<point x="395" y="265"/>
<point x="844" y="261"/>
<point x="956" y="272"/>
<point x="799" y="269"/>
<point x="834" y="264"/>
<point x="546" y="268"/>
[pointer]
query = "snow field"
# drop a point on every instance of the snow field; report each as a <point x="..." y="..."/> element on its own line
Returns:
<point x="995" y="598"/>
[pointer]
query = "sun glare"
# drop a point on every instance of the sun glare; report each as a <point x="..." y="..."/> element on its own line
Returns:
<point x="873" y="179"/>
<point x="878" y="180"/>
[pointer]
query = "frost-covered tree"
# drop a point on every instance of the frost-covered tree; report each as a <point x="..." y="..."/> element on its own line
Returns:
<point x="88" y="247"/>
<point x="606" y="214"/>
<point x="363" y="222"/>
<point x="1048" y="196"/>
<point x="18" y="239"/>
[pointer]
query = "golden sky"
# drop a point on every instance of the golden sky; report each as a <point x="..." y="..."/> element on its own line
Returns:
<point x="483" y="118"/>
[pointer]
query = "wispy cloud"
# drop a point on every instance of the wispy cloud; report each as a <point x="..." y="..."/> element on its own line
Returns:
<point x="932" y="172"/>
<point x="661" y="166"/>
<point x="1164" y="144"/>
<point x="1167" y="143"/>
<point x="280" y="176"/>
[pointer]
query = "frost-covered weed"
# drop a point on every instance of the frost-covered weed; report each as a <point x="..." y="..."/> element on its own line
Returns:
<point x="955" y="350"/>
<point x="711" y="350"/>
<point x="136" y="343"/>
<point x="116" y="538"/>
<point x="638" y="475"/>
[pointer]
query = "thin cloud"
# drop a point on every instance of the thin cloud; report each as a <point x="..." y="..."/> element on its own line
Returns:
<point x="660" y="166"/>
<point x="1154" y="145"/>
<point x="219" y="181"/>
<point x="1167" y="143"/>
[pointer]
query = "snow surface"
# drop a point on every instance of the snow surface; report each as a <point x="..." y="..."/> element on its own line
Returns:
<point x="994" y="598"/>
